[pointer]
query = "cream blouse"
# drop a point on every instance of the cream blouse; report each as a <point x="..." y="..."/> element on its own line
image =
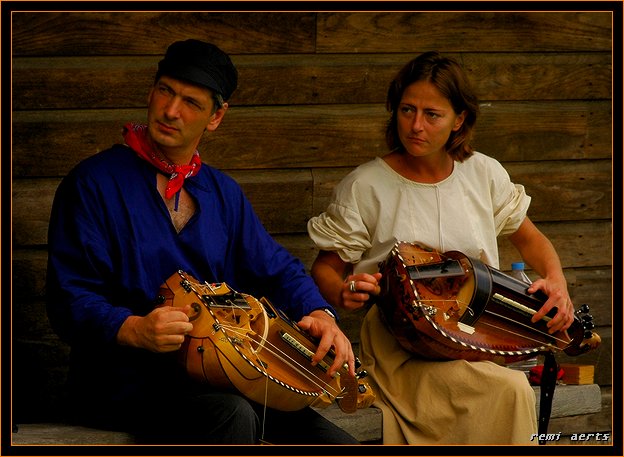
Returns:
<point x="374" y="206"/>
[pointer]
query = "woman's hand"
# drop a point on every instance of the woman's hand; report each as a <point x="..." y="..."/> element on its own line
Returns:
<point x="538" y="252"/>
<point x="557" y="297"/>
<point x="358" y="288"/>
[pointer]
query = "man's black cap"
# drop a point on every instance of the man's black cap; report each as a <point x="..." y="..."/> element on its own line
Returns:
<point x="200" y="63"/>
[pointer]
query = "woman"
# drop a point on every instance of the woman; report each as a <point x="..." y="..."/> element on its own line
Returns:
<point x="433" y="188"/>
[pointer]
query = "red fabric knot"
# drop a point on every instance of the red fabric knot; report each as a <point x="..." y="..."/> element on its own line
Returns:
<point x="135" y="136"/>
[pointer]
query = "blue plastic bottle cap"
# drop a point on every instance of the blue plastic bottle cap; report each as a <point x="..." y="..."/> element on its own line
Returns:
<point x="517" y="266"/>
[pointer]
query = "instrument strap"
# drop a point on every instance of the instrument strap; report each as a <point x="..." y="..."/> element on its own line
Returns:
<point x="547" y="390"/>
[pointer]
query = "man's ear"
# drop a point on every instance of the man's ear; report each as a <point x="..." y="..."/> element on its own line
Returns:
<point x="216" y="118"/>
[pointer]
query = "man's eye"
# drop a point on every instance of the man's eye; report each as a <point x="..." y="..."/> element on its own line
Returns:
<point x="194" y="105"/>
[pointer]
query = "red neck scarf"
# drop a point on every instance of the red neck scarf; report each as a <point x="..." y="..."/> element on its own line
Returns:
<point x="136" y="137"/>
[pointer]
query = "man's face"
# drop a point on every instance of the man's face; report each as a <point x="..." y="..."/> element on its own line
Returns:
<point x="178" y="114"/>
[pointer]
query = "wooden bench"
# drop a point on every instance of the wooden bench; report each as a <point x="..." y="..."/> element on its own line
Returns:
<point x="577" y="402"/>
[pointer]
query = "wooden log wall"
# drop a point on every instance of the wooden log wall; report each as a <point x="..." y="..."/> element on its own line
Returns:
<point x="309" y="108"/>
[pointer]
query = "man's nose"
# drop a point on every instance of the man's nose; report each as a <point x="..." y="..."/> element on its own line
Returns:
<point x="172" y="109"/>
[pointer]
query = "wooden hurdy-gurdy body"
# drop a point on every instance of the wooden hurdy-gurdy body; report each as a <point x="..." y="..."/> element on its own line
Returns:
<point x="447" y="305"/>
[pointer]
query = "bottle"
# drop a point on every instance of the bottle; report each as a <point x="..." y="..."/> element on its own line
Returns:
<point x="517" y="271"/>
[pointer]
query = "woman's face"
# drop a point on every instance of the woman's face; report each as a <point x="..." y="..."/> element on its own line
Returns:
<point x="425" y="119"/>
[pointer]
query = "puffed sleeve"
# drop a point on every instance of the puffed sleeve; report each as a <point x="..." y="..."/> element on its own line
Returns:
<point x="510" y="201"/>
<point x="340" y="229"/>
<point x="343" y="227"/>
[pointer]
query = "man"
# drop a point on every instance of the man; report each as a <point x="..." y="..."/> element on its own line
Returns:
<point x="125" y="220"/>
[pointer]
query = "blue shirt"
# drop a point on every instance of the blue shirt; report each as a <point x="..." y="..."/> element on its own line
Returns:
<point x="112" y="244"/>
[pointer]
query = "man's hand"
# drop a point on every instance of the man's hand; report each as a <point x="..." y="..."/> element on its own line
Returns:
<point x="162" y="330"/>
<point x="321" y="325"/>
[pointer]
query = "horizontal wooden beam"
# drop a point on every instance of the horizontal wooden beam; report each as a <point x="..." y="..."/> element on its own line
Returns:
<point x="579" y="261"/>
<point x="110" y="82"/>
<point x="245" y="32"/>
<point x="149" y="33"/>
<point x="286" y="199"/>
<point x="467" y="31"/>
<point x="49" y="143"/>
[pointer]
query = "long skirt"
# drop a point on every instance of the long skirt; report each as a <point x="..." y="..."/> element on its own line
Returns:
<point x="444" y="402"/>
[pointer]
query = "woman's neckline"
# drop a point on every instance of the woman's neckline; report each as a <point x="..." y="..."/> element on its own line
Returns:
<point x="416" y="181"/>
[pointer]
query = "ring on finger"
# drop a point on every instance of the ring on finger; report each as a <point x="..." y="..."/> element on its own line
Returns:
<point x="352" y="286"/>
